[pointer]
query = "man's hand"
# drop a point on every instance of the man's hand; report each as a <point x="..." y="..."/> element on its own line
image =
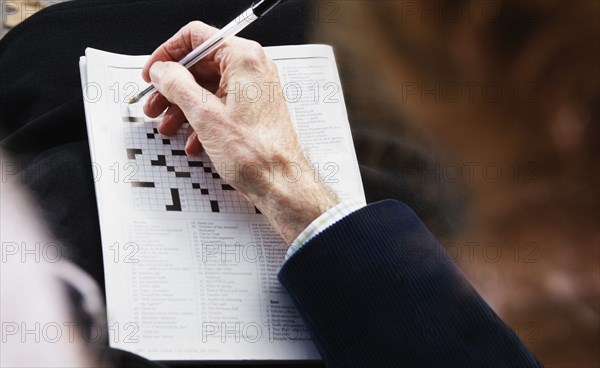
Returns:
<point x="249" y="138"/>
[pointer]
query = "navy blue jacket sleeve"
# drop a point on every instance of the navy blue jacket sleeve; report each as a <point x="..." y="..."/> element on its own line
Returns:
<point x="377" y="289"/>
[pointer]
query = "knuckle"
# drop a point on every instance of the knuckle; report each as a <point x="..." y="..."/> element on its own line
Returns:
<point x="194" y="25"/>
<point x="255" y="46"/>
<point x="191" y="31"/>
<point x="254" y="51"/>
<point x="253" y="56"/>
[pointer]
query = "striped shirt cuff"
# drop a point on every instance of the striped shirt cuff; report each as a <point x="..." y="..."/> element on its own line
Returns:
<point x="327" y="219"/>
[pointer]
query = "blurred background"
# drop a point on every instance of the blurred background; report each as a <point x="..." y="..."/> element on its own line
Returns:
<point x="491" y="111"/>
<point x="504" y="96"/>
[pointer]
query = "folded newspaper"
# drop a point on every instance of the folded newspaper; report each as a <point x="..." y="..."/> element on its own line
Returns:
<point x="190" y="265"/>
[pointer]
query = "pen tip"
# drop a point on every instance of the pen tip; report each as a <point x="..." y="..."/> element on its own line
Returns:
<point x="133" y="100"/>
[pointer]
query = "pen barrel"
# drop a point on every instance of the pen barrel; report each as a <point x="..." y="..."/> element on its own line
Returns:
<point x="262" y="7"/>
<point x="210" y="45"/>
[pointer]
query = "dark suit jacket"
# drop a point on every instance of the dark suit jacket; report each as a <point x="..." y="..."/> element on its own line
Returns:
<point x="378" y="290"/>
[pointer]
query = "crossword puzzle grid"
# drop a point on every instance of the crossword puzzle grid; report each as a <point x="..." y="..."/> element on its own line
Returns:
<point x="166" y="179"/>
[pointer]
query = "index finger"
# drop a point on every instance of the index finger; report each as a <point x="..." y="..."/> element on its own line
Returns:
<point x="182" y="43"/>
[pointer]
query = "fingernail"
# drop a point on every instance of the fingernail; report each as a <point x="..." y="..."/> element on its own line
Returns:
<point x="188" y="144"/>
<point x="160" y="128"/>
<point x="156" y="71"/>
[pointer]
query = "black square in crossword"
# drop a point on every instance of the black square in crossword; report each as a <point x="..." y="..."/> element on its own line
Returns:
<point x="166" y="179"/>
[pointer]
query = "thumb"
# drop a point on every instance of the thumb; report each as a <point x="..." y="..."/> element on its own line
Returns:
<point x="178" y="86"/>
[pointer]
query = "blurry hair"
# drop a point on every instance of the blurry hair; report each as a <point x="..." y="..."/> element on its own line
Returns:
<point x="483" y="79"/>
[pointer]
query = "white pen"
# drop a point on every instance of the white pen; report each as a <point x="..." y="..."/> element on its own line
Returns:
<point x="257" y="10"/>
